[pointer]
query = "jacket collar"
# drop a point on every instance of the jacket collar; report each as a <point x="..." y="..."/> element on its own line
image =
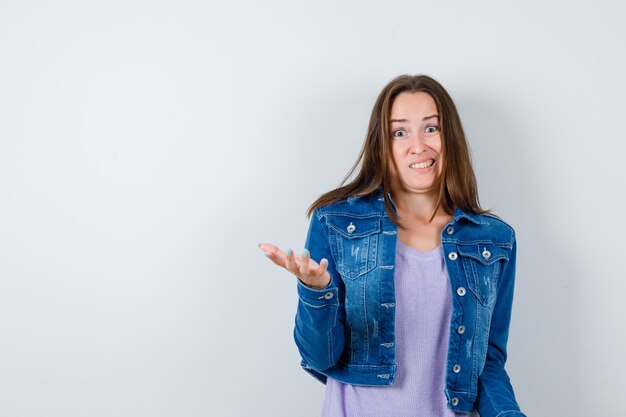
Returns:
<point x="474" y="218"/>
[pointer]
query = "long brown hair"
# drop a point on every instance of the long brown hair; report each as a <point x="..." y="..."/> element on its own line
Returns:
<point x="455" y="186"/>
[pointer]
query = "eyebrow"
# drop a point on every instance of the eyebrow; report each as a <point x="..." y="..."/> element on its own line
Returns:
<point x="405" y="120"/>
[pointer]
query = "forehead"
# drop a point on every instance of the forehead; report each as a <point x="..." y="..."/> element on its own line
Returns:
<point x="413" y="105"/>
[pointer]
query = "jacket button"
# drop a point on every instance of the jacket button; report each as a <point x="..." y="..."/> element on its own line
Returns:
<point x="460" y="329"/>
<point x="328" y="295"/>
<point x="454" y="401"/>
<point x="450" y="230"/>
<point x="452" y="256"/>
<point x="486" y="254"/>
<point x="456" y="368"/>
<point x="460" y="291"/>
<point x="351" y="228"/>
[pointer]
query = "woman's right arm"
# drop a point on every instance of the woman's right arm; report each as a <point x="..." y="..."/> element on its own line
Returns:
<point x="320" y="317"/>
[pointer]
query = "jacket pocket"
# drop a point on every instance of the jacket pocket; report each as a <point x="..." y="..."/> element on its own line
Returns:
<point x="354" y="243"/>
<point x="482" y="263"/>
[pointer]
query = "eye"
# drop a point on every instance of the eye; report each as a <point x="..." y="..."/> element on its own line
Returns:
<point x="399" y="133"/>
<point x="432" y="129"/>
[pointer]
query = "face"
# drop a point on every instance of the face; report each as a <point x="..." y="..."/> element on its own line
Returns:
<point x="416" y="142"/>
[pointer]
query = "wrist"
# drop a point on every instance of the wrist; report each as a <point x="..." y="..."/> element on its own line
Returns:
<point x="315" y="287"/>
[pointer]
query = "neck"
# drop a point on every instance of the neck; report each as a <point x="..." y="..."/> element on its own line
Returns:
<point x="418" y="206"/>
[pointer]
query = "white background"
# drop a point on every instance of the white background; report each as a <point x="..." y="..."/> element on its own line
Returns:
<point x="147" y="147"/>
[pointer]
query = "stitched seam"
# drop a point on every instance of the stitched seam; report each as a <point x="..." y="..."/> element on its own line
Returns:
<point x="455" y="392"/>
<point x="330" y="347"/>
<point x="489" y="397"/>
<point x="330" y="336"/>
<point x="353" y="215"/>
<point x="506" y="245"/>
<point x="474" y="379"/>
<point x="316" y="306"/>
<point x="513" y="412"/>
<point x="320" y="215"/>
<point x="359" y="235"/>
<point x="367" y="330"/>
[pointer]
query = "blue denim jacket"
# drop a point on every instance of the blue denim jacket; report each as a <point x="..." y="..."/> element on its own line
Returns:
<point x="346" y="330"/>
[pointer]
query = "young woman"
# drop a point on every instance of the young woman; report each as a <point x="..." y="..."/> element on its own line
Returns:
<point x="406" y="284"/>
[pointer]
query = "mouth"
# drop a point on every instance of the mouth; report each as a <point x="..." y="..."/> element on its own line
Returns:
<point x="424" y="164"/>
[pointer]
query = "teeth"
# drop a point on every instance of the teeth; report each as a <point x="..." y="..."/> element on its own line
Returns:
<point x="424" y="164"/>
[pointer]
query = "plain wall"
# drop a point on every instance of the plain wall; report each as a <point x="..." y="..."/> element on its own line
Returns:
<point x="147" y="147"/>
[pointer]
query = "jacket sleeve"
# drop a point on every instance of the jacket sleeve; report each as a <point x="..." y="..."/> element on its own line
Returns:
<point x="320" y="317"/>
<point x="495" y="394"/>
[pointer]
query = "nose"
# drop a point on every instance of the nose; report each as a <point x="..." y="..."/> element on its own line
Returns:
<point x="418" y="145"/>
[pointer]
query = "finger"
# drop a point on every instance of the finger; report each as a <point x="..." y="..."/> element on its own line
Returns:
<point x="290" y="262"/>
<point x="267" y="247"/>
<point x="321" y="273"/>
<point x="305" y="267"/>
<point x="274" y="254"/>
<point x="322" y="268"/>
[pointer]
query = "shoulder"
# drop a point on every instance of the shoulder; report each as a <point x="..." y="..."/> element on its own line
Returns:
<point x="498" y="229"/>
<point x="498" y="223"/>
<point x="354" y="206"/>
<point x="484" y="227"/>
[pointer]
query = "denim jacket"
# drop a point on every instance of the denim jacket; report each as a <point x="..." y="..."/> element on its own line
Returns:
<point x="346" y="330"/>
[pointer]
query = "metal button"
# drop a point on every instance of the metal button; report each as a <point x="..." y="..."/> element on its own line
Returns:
<point x="351" y="228"/>
<point x="450" y="230"/>
<point x="456" y="368"/>
<point x="460" y="291"/>
<point x="460" y="329"/>
<point x="486" y="254"/>
<point x="328" y="295"/>
<point x="452" y="256"/>
<point x="454" y="401"/>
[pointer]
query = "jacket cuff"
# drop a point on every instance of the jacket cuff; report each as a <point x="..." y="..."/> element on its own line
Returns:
<point x="318" y="298"/>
